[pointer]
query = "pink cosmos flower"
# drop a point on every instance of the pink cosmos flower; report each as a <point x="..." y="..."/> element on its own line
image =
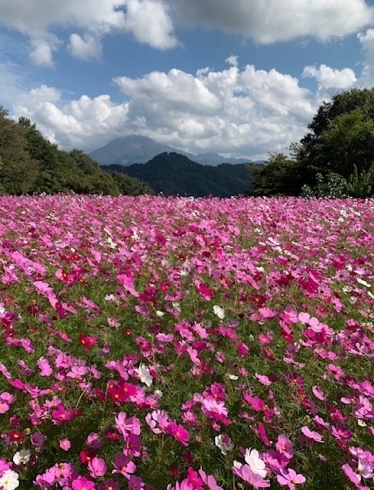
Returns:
<point x="341" y="433"/>
<point x="209" y="480"/>
<point x="65" y="444"/>
<point x="212" y="407"/>
<point x="247" y="475"/>
<point x="123" y="465"/>
<point x="109" y="485"/>
<point x="178" y="432"/>
<point x="4" y="407"/>
<point x="133" y="445"/>
<point x="135" y="483"/>
<point x="318" y="393"/>
<point x="97" y="467"/>
<point x="45" y="368"/>
<point x="81" y="483"/>
<point x="62" y="414"/>
<point x="264" y="380"/>
<point x="275" y="460"/>
<point x="290" y="477"/>
<point x="93" y="441"/>
<point x="194" y="479"/>
<point x="311" y="434"/>
<point x="284" y="446"/>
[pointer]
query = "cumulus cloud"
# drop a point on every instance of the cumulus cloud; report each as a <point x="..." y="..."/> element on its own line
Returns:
<point x="84" y="123"/>
<point x="238" y="112"/>
<point x="85" y="48"/>
<point x="330" y="80"/>
<point x="147" y="20"/>
<point x="269" y="21"/>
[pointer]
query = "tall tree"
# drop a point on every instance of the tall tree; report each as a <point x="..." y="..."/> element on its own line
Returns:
<point x="340" y="135"/>
<point x="279" y="176"/>
<point x="19" y="170"/>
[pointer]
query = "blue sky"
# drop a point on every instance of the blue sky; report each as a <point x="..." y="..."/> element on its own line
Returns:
<point x="240" y="77"/>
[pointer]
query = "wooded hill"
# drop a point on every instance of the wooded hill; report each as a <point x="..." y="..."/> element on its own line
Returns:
<point x="174" y="174"/>
<point x="29" y="163"/>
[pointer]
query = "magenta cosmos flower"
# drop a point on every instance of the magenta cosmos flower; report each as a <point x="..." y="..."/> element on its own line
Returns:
<point x="81" y="483"/>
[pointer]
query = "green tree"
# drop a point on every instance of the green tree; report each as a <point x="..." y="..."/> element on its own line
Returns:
<point x="279" y="176"/>
<point x="361" y="185"/>
<point x="19" y="170"/>
<point x="340" y="135"/>
<point x="129" y="186"/>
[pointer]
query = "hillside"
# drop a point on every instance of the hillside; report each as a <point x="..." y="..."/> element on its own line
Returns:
<point x="139" y="149"/>
<point x="29" y="164"/>
<point x="175" y="174"/>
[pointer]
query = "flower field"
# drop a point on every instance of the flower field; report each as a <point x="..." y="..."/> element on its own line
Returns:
<point x="192" y="344"/>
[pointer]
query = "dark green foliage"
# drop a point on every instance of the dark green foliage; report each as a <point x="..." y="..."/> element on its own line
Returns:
<point x="19" y="169"/>
<point x="129" y="186"/>
<point x="335" y="158"/>
<point x="361" y="185"/>
<point x="31" y="164"/>
<point x="341" y="134"/>
<point x="174" y="174"/>
<point x="331" y="185"/>
<point x="280" y="176"/>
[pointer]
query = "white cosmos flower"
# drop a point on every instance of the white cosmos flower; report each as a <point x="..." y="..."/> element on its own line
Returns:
<point x="144" y="374"/>
<point x="160" y="313"/>
<point x="9" y="480"/>
<point x="223" y="442"/>
<point x="364" y="283"/>
<point x="253" y="460"/>
<point x="220" y="312"/>
<point x="22" y="457"/>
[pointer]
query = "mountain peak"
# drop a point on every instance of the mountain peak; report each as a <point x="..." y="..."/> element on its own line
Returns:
<point x="135" y="148"/>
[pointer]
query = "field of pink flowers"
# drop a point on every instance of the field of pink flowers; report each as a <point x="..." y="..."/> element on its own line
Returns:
<point x="186" y="344"/>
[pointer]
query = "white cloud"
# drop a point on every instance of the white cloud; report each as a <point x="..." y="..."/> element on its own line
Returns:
<point x="42" y="53"/>
<point x="232" y="60"/>
<point x="330" y="80"/>
<point x="150" y="23"/>
<point x="84" y="123"/>
<point x="147" y="20"/>
<point x="367" y="41"/>
<point x="328" y="77"/>
<point x="85" y="48"/>
<point x="238" y="112"/>
<point x="268" y="21"/>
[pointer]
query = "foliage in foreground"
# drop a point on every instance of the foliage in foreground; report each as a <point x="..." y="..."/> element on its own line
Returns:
<point x="186" y="344"/>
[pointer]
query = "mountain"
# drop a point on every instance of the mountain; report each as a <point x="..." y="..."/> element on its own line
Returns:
<point x="175" y="174"/>
<point x="139" y="149"/>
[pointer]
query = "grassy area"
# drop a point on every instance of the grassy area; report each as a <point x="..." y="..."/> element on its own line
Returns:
<point x="186" y="344"/>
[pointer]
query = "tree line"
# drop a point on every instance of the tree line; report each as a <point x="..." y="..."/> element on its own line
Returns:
<point x="334" y="159"/>
<point x="29" y="164"/>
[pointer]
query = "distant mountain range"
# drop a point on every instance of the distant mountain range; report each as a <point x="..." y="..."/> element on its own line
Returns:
<point x="175" y="174"/>
<point x="139" y="149"/>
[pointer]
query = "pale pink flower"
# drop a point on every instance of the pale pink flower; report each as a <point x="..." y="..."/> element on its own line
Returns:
<point x="311" y="434"/>
<point x="65" y="444"/>
<point x="290" y="477"/>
